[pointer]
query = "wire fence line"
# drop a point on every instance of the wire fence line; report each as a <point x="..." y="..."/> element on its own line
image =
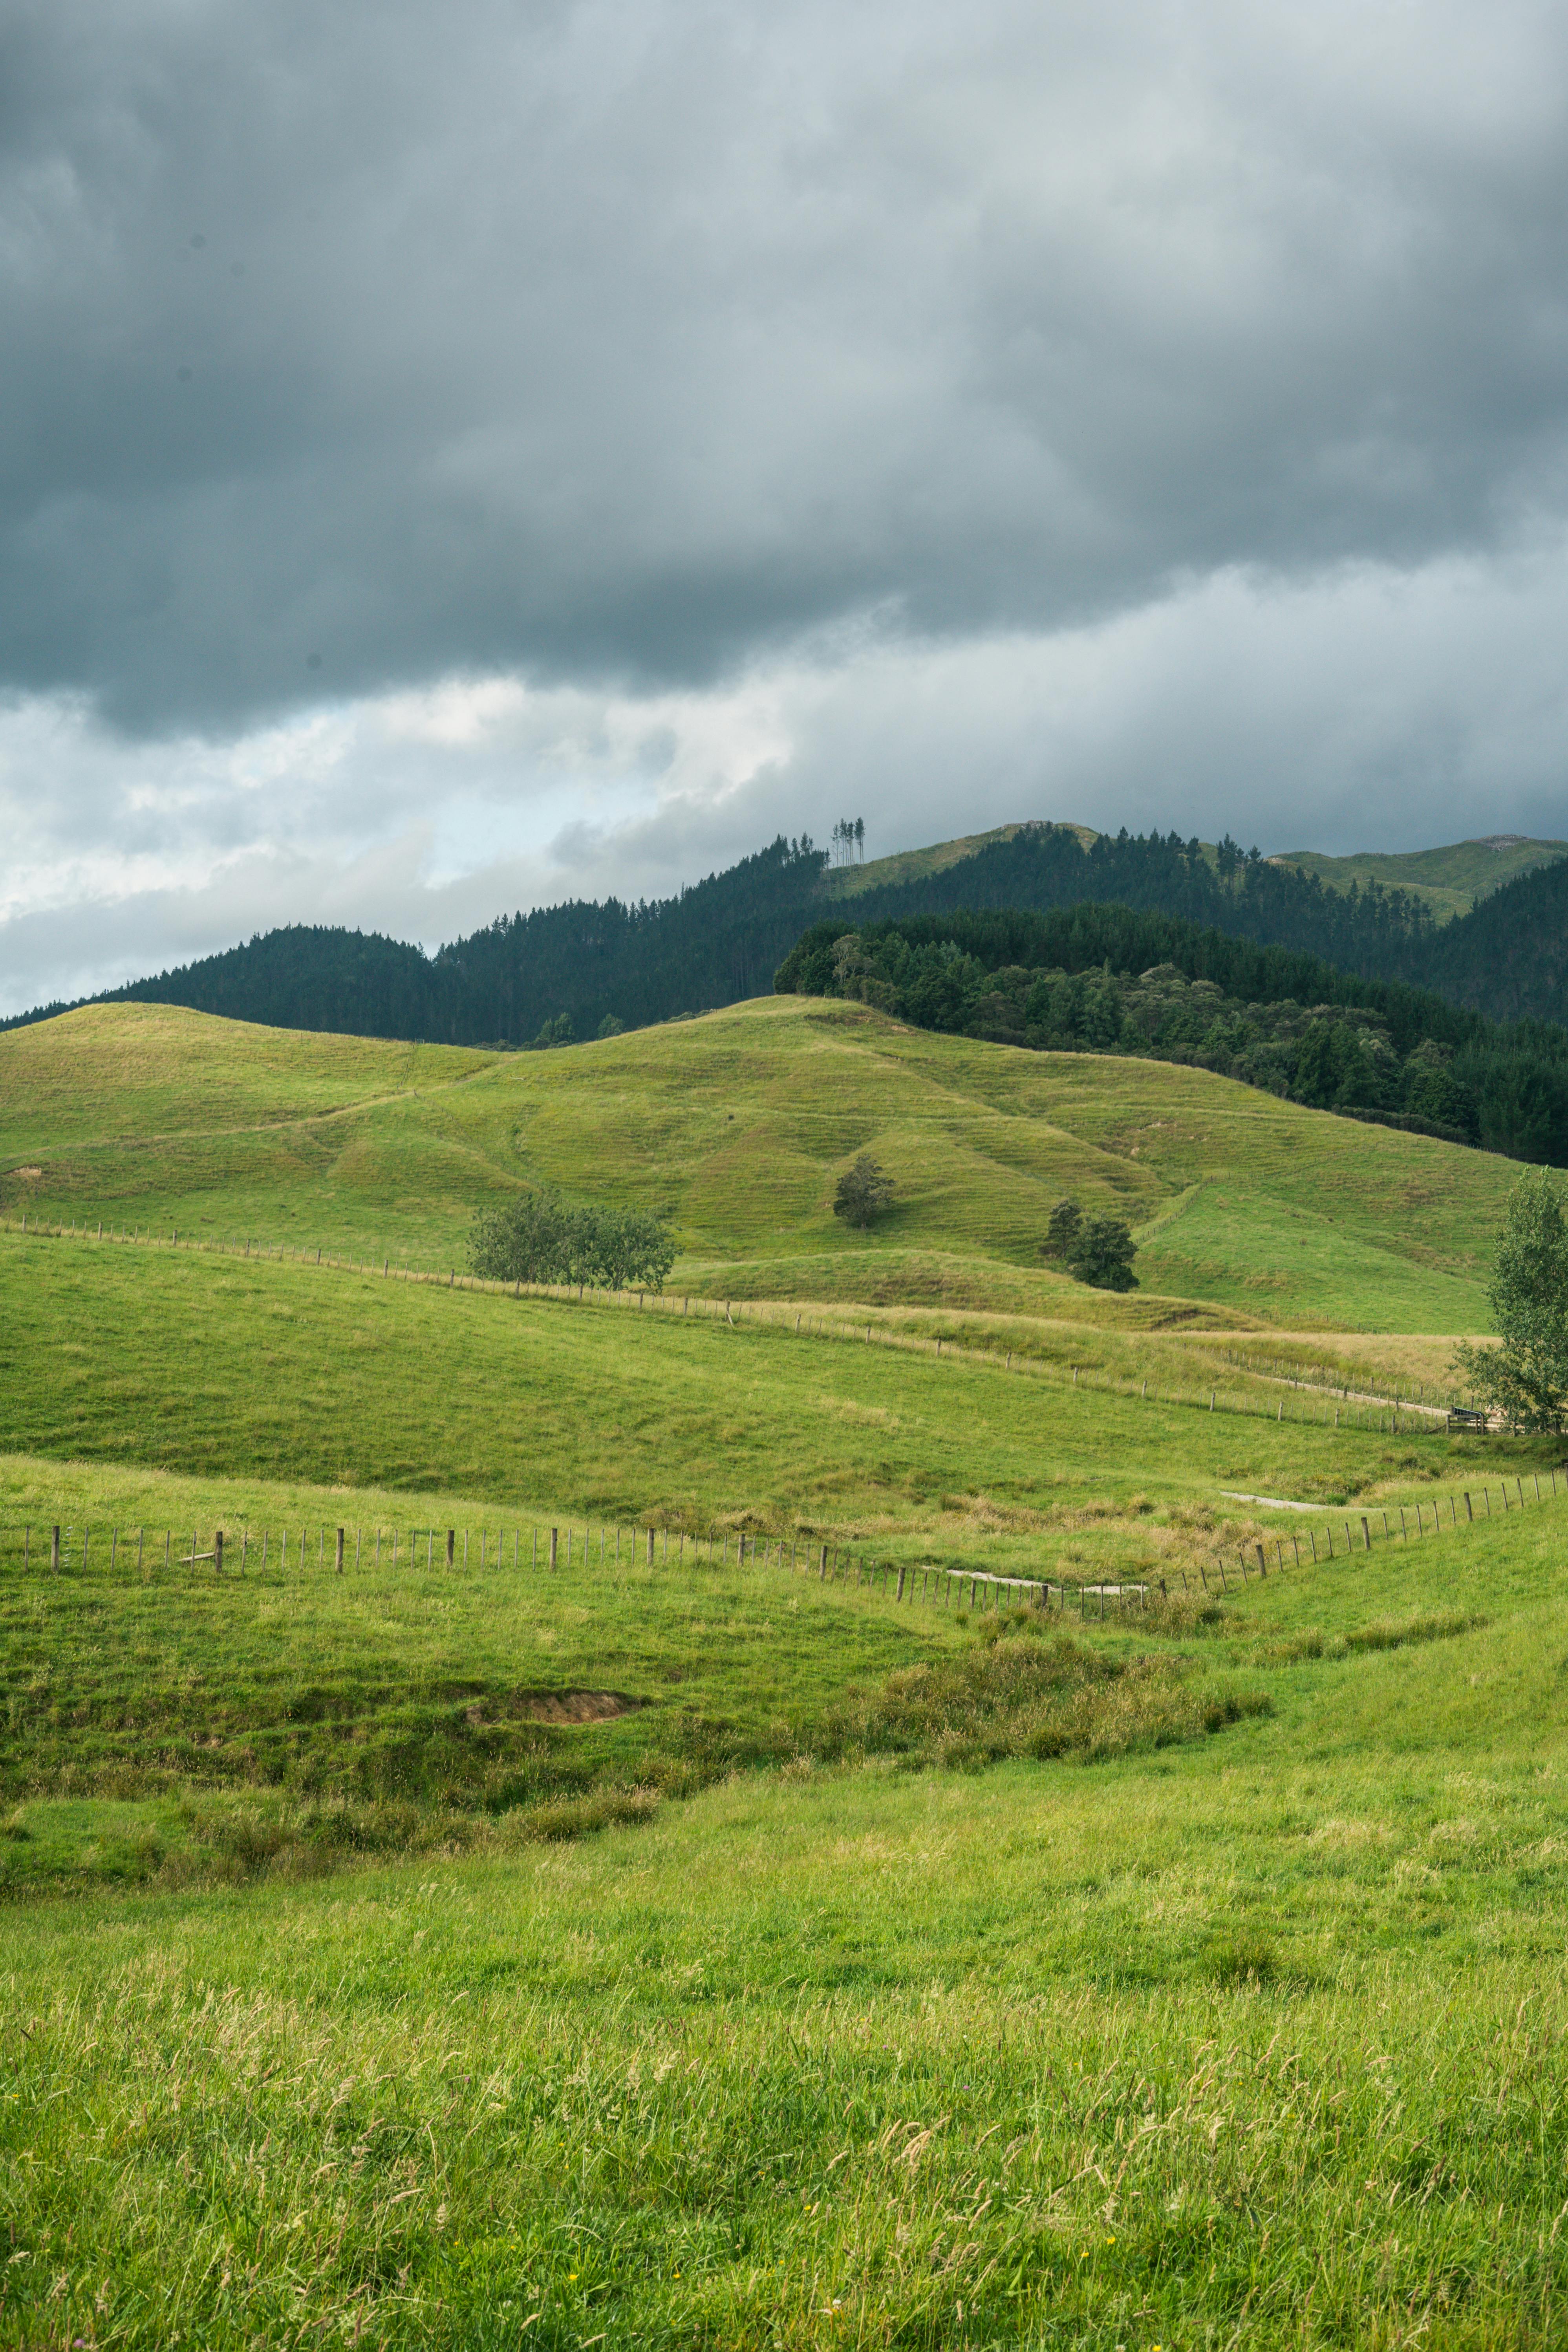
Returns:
<point x="59" y="1548"/>
<point x="812" y="1322"/>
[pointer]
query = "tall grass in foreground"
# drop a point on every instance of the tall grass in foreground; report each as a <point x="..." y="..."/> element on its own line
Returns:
<point x="489" y="2164"/>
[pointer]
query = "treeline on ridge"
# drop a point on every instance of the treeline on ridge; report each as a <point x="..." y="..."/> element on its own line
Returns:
<point x="1107" y="979"/>
<point x="563" y="972"/>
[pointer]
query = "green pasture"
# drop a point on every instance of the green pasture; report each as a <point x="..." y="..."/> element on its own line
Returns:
<point x="1246" y="2038"/>
<point x="1260" y="1255"/>
<point x="736" y="1128"/>
<point x="722" y="1955"/>
<point x="223" y="1366"/>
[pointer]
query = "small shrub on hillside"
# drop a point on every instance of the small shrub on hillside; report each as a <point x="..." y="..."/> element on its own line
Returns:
<point x="864" y="1191"/>
<point x="1182" y="1614"/>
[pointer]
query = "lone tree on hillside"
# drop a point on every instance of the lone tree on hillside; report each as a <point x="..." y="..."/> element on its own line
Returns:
<point x="1103" y="1253"/>
<point x="1097" y="1250"/>
<point x="864" y="1191"/>
<point x="1525" y="1376"/>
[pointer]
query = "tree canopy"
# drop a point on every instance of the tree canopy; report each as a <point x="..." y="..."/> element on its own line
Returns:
<point x="1525" y="1376"/>
<point x="541" y="1237"/>
<point x="864" y="1191"/>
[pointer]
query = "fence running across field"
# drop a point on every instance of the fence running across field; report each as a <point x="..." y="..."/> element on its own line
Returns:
<point x="50" y="1548"/>
<point x="1418" y="1420"/>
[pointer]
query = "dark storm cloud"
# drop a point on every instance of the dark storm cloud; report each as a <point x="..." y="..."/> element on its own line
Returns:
<point x="346" y="346"/>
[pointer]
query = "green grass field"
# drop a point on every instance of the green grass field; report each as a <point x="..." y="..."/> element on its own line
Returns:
<point x="211" y="1366"/>
<point x="736" y="1127"/>
<point x="1247" y="2037"/>
<point x="718" y="1953"/>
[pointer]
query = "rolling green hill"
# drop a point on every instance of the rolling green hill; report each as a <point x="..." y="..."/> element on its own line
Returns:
<point x="736" y="1128"/>
<point x="750" y="1953"/>
<point x="1448" y="880"/>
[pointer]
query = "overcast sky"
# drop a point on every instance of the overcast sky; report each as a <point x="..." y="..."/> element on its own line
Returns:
<point x="453" y="458"/>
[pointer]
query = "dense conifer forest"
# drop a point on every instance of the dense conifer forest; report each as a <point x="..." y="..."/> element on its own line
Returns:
<point x="563" y="972"/>
<point x="1106" y="980"/>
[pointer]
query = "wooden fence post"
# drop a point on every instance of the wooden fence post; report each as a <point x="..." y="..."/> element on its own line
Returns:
<point x="899" y="1594"/>
<point x="822" y="1573"/>
<point x="339" y="1551"/>
<point x="55" y="1551"/>
<point x="451" y="1547"/>
<point x="1262" y="1570"/>
<point x="554" y="1538"/>
<point x="218" y="1551"/>
<point x="1366" y="1531"/>
<point x="1469" y="1512"/>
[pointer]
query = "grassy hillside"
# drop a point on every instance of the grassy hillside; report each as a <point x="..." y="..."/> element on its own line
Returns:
<point x="212" y="1366"/>
<point x="1247" y="2035"/>
<point x="723" y="1954"/>
<point x="1448" y="880"/>
<point x="737" y="1127"/>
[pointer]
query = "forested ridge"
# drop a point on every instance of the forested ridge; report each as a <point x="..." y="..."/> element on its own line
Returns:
<point x="562" y="971"/>
<point x="1108" y="980"/>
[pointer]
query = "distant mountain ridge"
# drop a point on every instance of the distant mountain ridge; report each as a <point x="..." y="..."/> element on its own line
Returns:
<point x="567" y="971"/>
<point x="1448" y="881"/>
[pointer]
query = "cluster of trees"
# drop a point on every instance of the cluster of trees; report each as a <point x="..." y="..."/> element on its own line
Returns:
<point x="541" y="1237"/>
<point x="1106" y="980"/>
<point x="1094" y="1249"/>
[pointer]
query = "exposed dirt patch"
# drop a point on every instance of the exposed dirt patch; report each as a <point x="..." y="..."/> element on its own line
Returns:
<point x="556" y="1706"/>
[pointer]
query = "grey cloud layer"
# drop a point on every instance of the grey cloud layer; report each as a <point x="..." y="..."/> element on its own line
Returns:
<point x="626" y="343"/>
